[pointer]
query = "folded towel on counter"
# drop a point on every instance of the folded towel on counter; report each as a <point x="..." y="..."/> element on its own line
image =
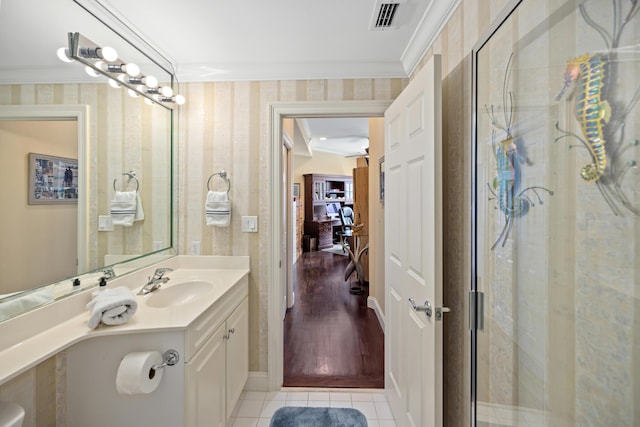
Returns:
<point x="139" y="216"/>
<point x="123" y="207"/>
<point x="218" y="208"/>
<point x="112" y="306"/>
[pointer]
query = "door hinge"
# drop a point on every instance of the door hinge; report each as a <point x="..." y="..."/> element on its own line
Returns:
<point x="476" y="310"/>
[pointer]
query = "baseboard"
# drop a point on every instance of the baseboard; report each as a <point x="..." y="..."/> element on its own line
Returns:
<point x="257" y="381"/>
<point x="372" y="303"/>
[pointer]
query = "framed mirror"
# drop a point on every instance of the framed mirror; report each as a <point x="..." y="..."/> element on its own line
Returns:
<point x="122" y="146"/>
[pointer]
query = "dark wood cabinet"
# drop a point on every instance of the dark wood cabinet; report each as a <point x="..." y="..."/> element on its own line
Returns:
<point x="320" y="189"/>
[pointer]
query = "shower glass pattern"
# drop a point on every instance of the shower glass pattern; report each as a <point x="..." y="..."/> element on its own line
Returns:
<point x="557" y="215"/>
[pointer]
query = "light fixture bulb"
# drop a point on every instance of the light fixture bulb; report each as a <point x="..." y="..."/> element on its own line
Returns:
<point x="132" y="69"/>
<point x="108" y="53"/>
<point x="114" y="84"/>
<point x="91" y="71"/>
<point x="63" y="55"/>
<point x="151" y="81"/>
<point x="166" y="91"/>
<point x="179" y="99"/>
<point x="148" y="101"/>
<point x="132" y="93"/>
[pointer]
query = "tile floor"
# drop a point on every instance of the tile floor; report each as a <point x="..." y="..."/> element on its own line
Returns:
<point x="254" y="409"/>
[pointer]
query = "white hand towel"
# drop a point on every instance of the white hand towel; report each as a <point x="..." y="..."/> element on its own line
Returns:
<point x="123" y="208"/>
<point x="218" y="209"/>
<point x="112" y="306"/>
<point x="139" y="211"/>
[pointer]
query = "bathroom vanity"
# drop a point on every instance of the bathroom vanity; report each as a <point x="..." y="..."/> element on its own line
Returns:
<point x="202" y="313"/>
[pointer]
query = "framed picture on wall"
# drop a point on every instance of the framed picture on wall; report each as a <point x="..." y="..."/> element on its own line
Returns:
<point x="52" y="179"/>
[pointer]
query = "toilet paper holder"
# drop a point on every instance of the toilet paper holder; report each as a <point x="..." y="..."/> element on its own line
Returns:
<point x="169" y="358"/>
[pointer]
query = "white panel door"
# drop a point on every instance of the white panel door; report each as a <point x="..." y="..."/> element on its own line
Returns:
<point x="413" y="250"/>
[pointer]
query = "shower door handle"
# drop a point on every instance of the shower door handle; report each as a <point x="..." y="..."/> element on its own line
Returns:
<point x="426" y="307"/>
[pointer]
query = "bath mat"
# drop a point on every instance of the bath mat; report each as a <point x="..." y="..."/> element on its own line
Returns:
<point x="295" y="416"/>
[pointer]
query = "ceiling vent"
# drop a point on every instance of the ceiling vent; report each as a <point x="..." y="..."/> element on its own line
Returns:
<point x="384" y="15"/>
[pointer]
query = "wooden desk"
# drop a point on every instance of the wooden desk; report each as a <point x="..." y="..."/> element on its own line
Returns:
<point x="322" y="230"/>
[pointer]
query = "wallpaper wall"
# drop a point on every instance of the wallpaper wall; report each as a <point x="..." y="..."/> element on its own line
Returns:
<point x="226" y="126"/>
<point x="125" y="134"/>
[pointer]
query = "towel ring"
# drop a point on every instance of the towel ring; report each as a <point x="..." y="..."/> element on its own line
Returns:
<point x="132" y="176"/>
<point x="222" y="175"/>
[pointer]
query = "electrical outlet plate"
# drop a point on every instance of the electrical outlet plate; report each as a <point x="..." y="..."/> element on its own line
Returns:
<point x="250" y="224"/>
<point x="195" y="248"/>
<point x="105" y="223"/>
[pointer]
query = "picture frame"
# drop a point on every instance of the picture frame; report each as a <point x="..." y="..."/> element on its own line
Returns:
<point x="296" y="190"/>
<point x="381" y="167"/>
<point x="52" y="180"/>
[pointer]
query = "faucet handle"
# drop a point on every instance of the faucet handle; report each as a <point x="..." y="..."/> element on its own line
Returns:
<point x="109" y="273"/>
<point x="160" y="271"/>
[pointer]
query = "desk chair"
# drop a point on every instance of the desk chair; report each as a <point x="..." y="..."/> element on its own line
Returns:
<point x="347" y="219"/>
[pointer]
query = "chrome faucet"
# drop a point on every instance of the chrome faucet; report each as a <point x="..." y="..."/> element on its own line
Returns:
<point x="156" y="281"/>
<point x="109" y="273"/>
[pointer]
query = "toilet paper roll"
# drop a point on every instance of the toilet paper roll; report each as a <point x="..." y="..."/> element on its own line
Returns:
<point x="136" y="375"/>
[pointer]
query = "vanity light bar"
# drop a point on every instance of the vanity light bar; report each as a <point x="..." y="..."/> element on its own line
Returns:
<point x="105" y="61"/>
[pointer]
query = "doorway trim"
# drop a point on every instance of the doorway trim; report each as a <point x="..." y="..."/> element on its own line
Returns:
<point x="275" y="262"/>
<point x="79" y="113"/>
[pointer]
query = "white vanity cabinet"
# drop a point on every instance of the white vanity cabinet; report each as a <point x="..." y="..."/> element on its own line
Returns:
<point x="217" y="372"/>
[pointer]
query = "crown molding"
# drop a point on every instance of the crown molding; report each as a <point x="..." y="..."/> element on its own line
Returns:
<point x="433" y="21"/>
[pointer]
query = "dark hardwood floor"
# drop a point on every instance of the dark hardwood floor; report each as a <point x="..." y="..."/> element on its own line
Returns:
<point x="331" y="338"/>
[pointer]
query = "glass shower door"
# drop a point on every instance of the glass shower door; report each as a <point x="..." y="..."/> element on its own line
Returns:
<point x="557" y="215"/>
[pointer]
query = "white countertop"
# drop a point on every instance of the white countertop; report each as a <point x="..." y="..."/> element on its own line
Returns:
<point x="33" y="337"/>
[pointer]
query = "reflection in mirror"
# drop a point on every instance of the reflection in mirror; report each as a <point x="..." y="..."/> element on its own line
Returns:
<point x="54" y="109"/>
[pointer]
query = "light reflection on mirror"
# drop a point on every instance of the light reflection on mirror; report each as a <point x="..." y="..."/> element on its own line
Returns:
<point x="121" y="134"/>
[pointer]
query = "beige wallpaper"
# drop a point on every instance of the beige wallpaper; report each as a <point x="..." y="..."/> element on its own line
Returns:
<point x="226" y="125"/>
<point x="123" y="131"/>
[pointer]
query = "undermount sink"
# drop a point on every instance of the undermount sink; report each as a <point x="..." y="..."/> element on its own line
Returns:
<point x="178" y="294"/>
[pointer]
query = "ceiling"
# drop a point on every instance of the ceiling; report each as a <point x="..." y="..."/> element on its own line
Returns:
<point x="340" y="136"/>
<point x="234" y="40"/>
<point x="213" y="40"/>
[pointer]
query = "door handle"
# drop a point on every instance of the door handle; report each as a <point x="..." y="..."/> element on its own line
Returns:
<point x="426" y="307"/>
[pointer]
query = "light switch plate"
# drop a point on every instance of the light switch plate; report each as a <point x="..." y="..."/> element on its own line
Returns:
<point x="250" y="224"/>
<point x="105" y="223"/>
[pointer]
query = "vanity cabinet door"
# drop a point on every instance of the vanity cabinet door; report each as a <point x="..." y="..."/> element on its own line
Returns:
<point x="205" y="383"/>
<point x="237" y="353"/>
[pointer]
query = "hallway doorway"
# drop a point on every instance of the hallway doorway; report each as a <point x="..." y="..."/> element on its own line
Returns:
<point x="328" y="331"/>
<point x="295" y="110"/>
